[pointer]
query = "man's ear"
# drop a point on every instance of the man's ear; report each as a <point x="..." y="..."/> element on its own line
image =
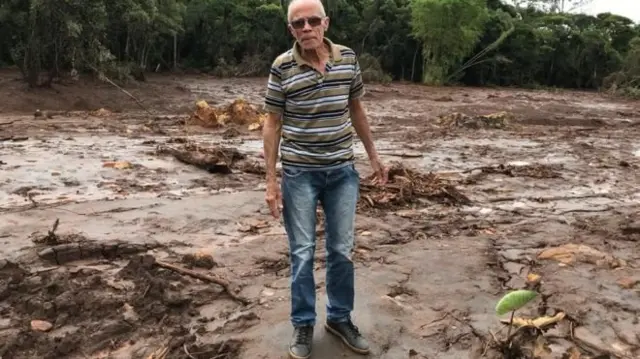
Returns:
<point x="326" y="23"/>
<point x="291" y="31"/>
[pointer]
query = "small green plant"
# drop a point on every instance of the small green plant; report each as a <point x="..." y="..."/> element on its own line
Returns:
<point x="513" y="301"/>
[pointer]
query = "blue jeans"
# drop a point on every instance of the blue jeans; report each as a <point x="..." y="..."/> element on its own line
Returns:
<point x="337" y="189"/>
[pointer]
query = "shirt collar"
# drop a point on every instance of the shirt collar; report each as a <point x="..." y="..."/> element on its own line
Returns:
<point x="334" y="53"/>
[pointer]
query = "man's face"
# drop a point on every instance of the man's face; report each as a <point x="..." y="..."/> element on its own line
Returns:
<point x="307" y="25"/>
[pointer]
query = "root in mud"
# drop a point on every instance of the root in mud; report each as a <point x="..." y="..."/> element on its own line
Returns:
<point x="406" y="187"/>
<point x="204" y="116"/>
<point x="212" y="159"/>
<point x="239" y="112"/>
<point x="228" y="349"/>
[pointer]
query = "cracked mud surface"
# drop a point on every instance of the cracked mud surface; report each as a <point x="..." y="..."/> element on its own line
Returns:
<point x="539" y="183"/>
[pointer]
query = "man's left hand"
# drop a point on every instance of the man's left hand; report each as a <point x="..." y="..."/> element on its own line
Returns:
<point x="381" y="172"/>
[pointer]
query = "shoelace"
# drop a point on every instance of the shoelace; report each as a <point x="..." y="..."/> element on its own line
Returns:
<point x="353" y="329"/>
<point x="302" y="336"/>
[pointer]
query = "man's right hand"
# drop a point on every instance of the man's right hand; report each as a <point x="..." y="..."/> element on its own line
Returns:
<point x="273" y="198"/>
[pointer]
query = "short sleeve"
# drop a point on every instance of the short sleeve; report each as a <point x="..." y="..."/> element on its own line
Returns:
<point x="357" y="85"/>
<point x="274" y="98"/>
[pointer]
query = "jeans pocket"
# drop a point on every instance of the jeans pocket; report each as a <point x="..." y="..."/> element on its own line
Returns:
<point x="292" y="172"/>
<point x="353" y="169"/>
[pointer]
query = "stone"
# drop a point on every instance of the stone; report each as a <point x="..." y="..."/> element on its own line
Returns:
<point x="41" y="325"/>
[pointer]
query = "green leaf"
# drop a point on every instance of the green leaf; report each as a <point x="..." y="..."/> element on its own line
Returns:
<point x="514" y="301"/>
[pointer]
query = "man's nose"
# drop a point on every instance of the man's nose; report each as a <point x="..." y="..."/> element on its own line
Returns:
<point x="307" y="27"/>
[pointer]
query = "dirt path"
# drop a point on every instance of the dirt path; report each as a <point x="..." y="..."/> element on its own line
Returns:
<point x="547" y="185"/>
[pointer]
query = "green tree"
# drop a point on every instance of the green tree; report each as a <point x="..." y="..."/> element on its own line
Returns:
<point x="473" y="42"/>
<point x="448" y="31"/>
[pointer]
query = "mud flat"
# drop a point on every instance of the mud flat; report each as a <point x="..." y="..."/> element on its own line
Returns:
<point x="129" y="235"/>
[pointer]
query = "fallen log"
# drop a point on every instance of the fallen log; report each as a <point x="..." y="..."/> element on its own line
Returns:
<point x="213" y="160"/>
<point x="69" y="252"/>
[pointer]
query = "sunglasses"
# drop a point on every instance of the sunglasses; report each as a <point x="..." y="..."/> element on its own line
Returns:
<point x="313" y="21"/>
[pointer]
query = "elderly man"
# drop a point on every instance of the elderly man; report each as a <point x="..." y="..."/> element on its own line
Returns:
<point x="314" y="102"/>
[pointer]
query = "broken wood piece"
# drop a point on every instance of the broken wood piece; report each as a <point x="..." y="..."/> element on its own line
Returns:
<point x="51" y="235"/>
<point x="160" y="353"/>
<point x="539" y="323"/>
<point x="207" y="278"/>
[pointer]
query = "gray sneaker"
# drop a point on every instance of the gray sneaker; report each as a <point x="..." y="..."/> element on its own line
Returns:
<point x="300" y="346"/>
<point x="350" y="335"/>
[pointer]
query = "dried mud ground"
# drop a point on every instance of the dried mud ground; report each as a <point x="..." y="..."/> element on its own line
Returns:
<point x="103" y="232"/>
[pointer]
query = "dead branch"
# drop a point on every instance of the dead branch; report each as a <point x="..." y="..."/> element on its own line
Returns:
<point x="113" y="210"/>
<point x="103" y="76"/>
<point x="586" y="210"/>
<point x="52" y="237"/>
<point x="547" y="199"/>
<point x="402" y="154"/>
<point x="24" y="208"/>
<point x="207" y="278"/>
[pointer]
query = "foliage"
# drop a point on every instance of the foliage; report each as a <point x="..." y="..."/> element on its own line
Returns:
<point x="448" y="31"/>
<point x="473" y="42"/>
<point x="627" y="80"/>
<point x="514" y="300"/>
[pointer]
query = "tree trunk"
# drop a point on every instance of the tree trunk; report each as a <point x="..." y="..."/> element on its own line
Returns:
<point x="413" y="65"/>
<point x="175" y="51"/>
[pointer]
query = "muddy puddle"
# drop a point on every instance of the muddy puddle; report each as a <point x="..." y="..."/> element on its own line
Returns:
<point x="98" y="167"/>
<point x="120" y="243"/>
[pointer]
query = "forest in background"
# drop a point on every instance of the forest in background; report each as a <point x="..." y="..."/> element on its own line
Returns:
<point x="524" y="43"/>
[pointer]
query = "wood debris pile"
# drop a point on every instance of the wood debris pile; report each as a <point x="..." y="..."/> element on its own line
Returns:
<point x="498" y="120"/>
<point x="406" y="187"/>
<point x="534" y="170"/>
<point x="239" y="112"/>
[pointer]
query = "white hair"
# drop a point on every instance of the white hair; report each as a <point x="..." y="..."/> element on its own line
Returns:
<point x="317" y="2"/>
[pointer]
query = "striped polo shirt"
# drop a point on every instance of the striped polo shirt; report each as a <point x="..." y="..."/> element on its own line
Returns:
<point x="316" y="124"/>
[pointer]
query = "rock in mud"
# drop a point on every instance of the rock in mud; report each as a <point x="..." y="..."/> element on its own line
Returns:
<point x="129" y="314"/>
<point x="41" y="325"/>
<point x="628" y="282"/>
<point x="571" y="253"/>
<point x="199" y="260"/>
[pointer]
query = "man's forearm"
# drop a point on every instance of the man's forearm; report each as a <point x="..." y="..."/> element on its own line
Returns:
<point x="361" y="125"/>
<point x="271" y="138"/>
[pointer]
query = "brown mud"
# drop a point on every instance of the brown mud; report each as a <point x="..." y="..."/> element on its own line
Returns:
<point x="126" y="234"/>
